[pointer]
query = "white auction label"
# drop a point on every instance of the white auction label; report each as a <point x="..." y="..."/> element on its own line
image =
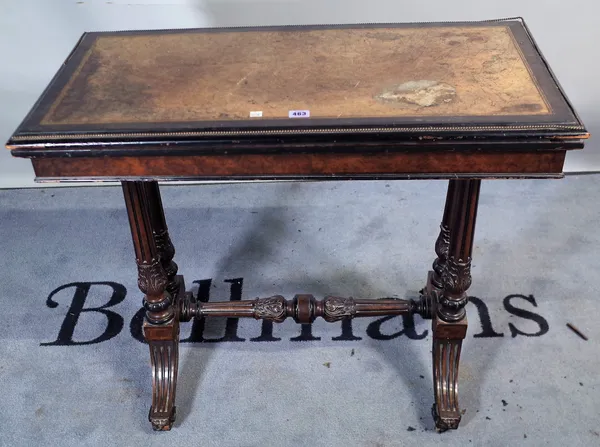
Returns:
<point x="256" y="114"/>
<point x="299" y="114"/>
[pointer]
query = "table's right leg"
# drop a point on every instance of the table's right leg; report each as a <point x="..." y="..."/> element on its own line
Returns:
<point x="433" y="288"/>
<point x="161" y="323"/>
<point x="450" y="320"/>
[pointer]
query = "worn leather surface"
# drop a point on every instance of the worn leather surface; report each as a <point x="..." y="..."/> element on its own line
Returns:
<point x="332" y="73"/>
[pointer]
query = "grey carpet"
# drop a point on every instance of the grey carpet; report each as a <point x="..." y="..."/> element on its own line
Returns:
<point x="528" y="380"/>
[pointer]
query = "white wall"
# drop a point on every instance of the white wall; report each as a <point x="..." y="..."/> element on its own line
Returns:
<point x="37" y="35"/>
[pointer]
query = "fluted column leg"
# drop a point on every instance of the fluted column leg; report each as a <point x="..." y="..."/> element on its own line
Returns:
<point x="449" y="324"/>
<point x="161" y="322"/>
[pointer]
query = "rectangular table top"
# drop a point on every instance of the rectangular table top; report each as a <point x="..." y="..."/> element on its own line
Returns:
<point x="296" y="88"/>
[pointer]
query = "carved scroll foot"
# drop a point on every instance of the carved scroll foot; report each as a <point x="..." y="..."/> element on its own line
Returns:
<point x="163" y="340"/>
<point x="447" y="343"/>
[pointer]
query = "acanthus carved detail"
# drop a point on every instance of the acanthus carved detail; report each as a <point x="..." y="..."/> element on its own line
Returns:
<point x="442" y="244"/>
<point x="167" y="252"/>
<point x="164" y="245"/>
<point x="442" y="247"/>
<point x="336" y="308"/>
<point x="457" y="276"/>
<point x="152" y="278"/>
<point x="272" y="308"/>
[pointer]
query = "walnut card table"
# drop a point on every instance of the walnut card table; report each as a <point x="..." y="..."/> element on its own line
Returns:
<point x="457" y="101"/>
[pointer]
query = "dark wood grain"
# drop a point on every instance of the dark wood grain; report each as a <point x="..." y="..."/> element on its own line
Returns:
<point x="300" y="166"/>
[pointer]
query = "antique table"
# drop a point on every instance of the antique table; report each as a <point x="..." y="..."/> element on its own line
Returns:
<point x="456" y="101"/>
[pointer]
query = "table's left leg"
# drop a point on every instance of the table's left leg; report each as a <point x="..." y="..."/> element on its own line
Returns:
<point x="161" y="323"/>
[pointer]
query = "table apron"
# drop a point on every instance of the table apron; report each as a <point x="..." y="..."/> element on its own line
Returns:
<point x="305" y="166"/>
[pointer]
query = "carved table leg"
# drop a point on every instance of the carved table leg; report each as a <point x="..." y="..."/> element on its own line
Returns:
<point x="433" y="289"/>
<point x="165" y="247"/>
<point x="161" y="323"/>
<point x="449" y="325"/>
